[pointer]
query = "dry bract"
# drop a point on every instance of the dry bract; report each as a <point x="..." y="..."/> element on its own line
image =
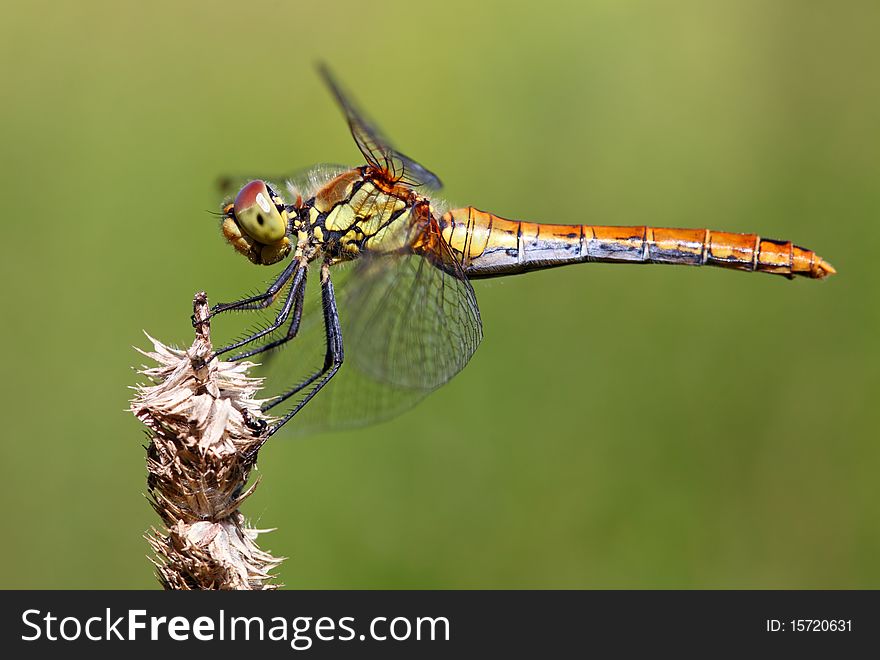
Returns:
<point x="200" y="455"/>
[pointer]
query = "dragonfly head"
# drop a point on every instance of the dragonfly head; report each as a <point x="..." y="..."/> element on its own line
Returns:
<point x="256" y="224"/>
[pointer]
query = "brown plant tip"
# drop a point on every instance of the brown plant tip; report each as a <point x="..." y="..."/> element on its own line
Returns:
<point x="202" y="448"/>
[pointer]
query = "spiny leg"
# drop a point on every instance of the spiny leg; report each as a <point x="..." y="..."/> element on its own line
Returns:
<point x="280" y="318"/>
<point x="261" y="300"/>
<point x="332" y="358"/>
<point x="292" y="330"/>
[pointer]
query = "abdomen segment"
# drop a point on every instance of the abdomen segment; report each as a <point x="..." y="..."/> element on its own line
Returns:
<point x="487" y="246"/>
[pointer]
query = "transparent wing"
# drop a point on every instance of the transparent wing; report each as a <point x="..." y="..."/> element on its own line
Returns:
<point x="410" y="322"/>
<point x="301" y="182"/>
<point x="374" y="146"/>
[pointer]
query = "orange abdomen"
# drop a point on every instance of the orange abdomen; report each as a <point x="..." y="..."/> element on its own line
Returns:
<point x="487" y="245"/>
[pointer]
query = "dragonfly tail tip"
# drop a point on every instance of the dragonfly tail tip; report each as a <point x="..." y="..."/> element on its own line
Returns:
<point x="823" y="269"/>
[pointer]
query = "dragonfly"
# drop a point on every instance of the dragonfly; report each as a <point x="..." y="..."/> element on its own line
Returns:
<point x="395" y="266"/>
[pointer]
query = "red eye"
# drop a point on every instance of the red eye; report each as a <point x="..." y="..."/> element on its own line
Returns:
<point x="253" y="193"/>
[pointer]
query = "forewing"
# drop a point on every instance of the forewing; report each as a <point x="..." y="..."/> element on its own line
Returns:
<point x="374" y="146"/>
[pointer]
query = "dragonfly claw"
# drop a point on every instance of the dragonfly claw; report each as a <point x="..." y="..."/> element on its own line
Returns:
<point x="257" y="426"/>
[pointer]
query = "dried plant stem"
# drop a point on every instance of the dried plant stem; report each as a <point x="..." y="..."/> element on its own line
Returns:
<point x="200" y="417"/>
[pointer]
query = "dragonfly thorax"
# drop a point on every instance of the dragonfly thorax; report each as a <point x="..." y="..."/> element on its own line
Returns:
<point x="354" y="213"/>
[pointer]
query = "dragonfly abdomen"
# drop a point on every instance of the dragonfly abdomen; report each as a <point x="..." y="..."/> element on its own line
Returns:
<point x="488" y="245"/>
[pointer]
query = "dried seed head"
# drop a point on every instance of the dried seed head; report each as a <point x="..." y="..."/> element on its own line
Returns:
<point x="200" y="418"/>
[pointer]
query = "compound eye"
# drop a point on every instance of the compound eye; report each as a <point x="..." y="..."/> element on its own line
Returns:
<point x="257" y="215"/>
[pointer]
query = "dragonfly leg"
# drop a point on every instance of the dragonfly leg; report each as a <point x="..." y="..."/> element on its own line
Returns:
<point x="261" y="300"/>
<point x="292" y="330"/>
<point x="332" y="358"/>
<point x="292" y="295"/>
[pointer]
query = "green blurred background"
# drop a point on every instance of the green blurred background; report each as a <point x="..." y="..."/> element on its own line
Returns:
<point x="619" y="427"/>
